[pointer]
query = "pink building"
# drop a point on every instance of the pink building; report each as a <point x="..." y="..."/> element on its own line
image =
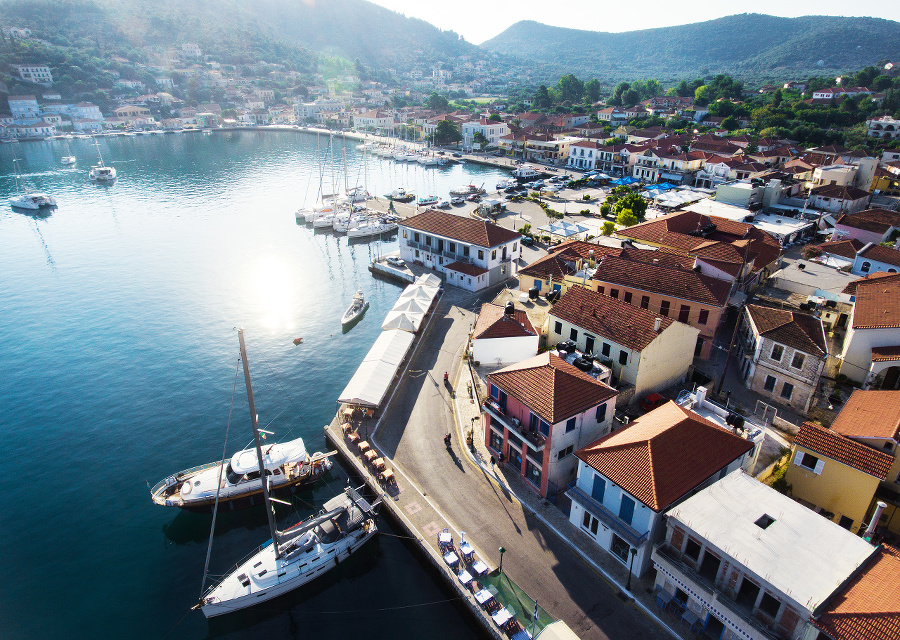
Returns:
<point x="871" y="225"/>
<point x="539" y="412"/>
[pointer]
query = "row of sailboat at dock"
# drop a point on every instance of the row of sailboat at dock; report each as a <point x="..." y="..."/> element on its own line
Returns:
<point x="290" y="558"/>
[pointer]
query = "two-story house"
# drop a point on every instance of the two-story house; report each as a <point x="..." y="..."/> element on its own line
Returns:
<point x="871" y="353"/>
<point x="836" y="476"/>
<point x="569" y="264"/>
<point x="490" y="129"/>
<point x="782" y="354"/>
<point x="539" y="412"/>
<point x="472" y="254"/>
<point x="873" y="258"/>
<point x="503" y="335"/>
<point x="629" y="478"/>
<point x="749" y="563"/>
<point x="584" y="155"/>
<point x="645" y="350"/>
<point x="871" y="225"/>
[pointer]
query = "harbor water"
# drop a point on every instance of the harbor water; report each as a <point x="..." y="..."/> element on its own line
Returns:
<point x="120" y="358"/>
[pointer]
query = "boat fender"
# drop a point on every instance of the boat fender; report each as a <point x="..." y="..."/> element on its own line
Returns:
<point x="186" y="488"/>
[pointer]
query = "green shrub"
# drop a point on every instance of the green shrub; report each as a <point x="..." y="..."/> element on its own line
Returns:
<point x="585" y="212"/>
<point x="586" y="197"/>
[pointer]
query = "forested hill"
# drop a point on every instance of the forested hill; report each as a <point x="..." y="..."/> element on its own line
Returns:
<point x="348" y="28"/>
<point x="745" y="46"/>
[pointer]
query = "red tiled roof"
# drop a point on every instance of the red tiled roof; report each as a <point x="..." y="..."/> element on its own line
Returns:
<point x="551" y="387"/>
<point x="837" y="191"/>
<point x="493" y="322"/>
<point x="878" y="275"/>
<point x="886" y="354"/>
<point x="664" y="280"/>
<point x="798" y="330"/>
<point x="843" y="248"/>
<point x="877" y="304"/>
<point x="844" y="450"/>
<point x="875" y="220"/>
<point x="887" y="255"/>
<point x="584" y="249"/>
<point x="609" y="318"/>
<point x="448" y="225"/>
<point x="868" y="607"/>
<point x="466" y="268"/>
<point x="663" y="455"/>
<point x="870" y="414"/>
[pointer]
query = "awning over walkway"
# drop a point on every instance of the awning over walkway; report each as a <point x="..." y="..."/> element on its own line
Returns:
<point x="371" y="381"/>
<point x="563" y="229"/>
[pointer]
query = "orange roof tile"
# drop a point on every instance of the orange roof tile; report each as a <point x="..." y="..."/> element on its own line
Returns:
<point x="663" y="455"/>
<point x="684" y="284"/>
<point x="868" y="607"/>
<point x="878" y="275"/>
<point x="844" y="450"/>
<point x="870" y="414"/>
<point x="551" y="387"/>
<point x="877" y="304"/>
<point x="798" y="330"/>
<point x="448" y="225"/>
<point x="886" y="354"/>
<point x="493" y="322"/>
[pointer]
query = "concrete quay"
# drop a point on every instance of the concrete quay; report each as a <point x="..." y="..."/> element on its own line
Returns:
<point x="547" y="557"/>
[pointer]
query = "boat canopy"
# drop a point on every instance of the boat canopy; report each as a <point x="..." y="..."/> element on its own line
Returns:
<point x="274" y="456"/>
<point x="371" y="381"/>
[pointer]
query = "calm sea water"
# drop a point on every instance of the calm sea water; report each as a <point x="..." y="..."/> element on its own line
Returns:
<point x="119" y="360"/>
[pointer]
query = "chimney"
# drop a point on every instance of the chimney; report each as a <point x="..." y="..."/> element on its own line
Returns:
<point x="700" y="396"/>
<point x="879" y="509"/>
<point x="656" y="324"/>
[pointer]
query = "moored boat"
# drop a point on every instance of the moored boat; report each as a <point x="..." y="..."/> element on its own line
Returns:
<point x="356" y="309"/>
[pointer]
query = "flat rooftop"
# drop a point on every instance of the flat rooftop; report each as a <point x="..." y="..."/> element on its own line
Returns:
<point x="798" y="552"/>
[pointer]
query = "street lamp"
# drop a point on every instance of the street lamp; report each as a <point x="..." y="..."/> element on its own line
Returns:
<point x="502" y="550"/>
<point x="630" y="568"/>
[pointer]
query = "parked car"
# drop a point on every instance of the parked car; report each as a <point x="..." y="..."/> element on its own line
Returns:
<point x="653" y="400"/>
<point x="457" y="200"/>
<point x="456" y="155"/>
<point x="528" y="241"/>
<point x="394" y="261"/>
<point x="474" y="198"/>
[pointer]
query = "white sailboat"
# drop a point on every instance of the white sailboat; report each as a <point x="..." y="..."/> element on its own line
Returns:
<point x="100" y="172"/>
<point x="33" y="201"/>
<point x="299" y="554"/>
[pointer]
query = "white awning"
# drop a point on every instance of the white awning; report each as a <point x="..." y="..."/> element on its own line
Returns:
<point x="413" y="305"/>
<point x="371" y="381"/>
<point x="428" y="280"/>
<point x="406" y="320"/>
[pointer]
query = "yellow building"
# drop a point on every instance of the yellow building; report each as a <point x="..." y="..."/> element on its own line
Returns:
<point x="836" y="476"/>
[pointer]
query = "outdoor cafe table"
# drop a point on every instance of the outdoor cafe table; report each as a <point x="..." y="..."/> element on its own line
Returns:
<point x="371" y="454"/>
<point x="348" y="413"/>
<point x="451" y="558"/>
<point x="479" y="567"/>
<point x="445" y="537"/>
<point x="353" y="437"/>
<point x="363" y="446"/>
<point x="502" y="617"/>
<point x="483" y="596"/>
<point x="378" y="463"/>
<point x="464" y="576"/>
<point x="387" y="476"/>
<point x="466" y="549"/>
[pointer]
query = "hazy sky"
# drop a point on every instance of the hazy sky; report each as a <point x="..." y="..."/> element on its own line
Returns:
<point x="480" y="20"/>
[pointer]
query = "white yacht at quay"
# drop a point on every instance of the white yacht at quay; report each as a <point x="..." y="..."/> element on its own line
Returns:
<point x="325" y="220"/>
<point x="372" y="227"/>
<point x="345" y="220"/>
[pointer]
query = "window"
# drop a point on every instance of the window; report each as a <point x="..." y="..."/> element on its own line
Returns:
<point x="614" y="293"/>
<point x="557" y="328"/>
<point x="451" y="247"/>
<point x="533" y="473"/>
<point x="627" y="297"/>
<point x="770" y="384"/>
<point x="598" y="489"/>
<point x="626" y="510"/>
<point x="495" y="392"/>
<point x="428" y="240"/>
<point x="514" y="247"/>
<point x="573" y="335"/>
<point x="601" y="412"/>
<point x="565" y="452"/>
<point x="777" y="352"/>
<point x="496" y="441"/>
<point x="590" y="522"/>
<point x="769" y="605"/>
<point x="798" y="360"/>
<point x="605" y="349"/>
<point x="417" y="253"/>
<point x="645" y="302"/>
<point x="588" y="343"/>
<point x="480" y="254"/>
<point x="865" y="267"/>
<point x="664" y="308"/>
<point x="845" y="522"/>
<point x="600" y="290"/>
<point x="703" y="317"/>
<point x="494" y="254"/>
<point x="466" y="251"/>
<point x="404" y="233"/>
<point x="787" y="391"/>
<point x="692" y="549"/>
<point x="416" y="237"/>
<point x="623" y="357"/>
<point x="619" y="548"/>
<point x="808" y="461"/>
<point x="764" y="521"/>
<point x="515" y="458"/>
<point x="570" y="425"/>
<point x="684" y="313"/>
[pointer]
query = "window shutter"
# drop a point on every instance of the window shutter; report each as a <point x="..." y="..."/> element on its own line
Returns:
<point x="798" y="458"/>
<point x="819" y="466"/>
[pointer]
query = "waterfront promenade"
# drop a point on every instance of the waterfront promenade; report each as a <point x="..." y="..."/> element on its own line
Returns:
<point x="438" y="489"/>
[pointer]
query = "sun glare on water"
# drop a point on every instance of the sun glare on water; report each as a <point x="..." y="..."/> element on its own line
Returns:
<point x="271" y="290"/>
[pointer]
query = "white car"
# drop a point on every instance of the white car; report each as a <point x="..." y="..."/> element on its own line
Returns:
<point x="457" y="200"/>
<point x="394" y="261"/>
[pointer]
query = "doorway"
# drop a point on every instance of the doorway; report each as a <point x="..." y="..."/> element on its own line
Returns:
<point x="714" y="627"/>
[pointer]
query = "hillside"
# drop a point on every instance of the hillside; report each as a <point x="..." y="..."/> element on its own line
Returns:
<point x="790" y="48"/>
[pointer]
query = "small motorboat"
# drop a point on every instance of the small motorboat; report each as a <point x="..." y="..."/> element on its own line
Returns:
<point x="356" y="309"/>
<point x="68" y="160"/>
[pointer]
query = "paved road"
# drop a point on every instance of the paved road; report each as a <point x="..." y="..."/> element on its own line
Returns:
<point x="545" y="567"/>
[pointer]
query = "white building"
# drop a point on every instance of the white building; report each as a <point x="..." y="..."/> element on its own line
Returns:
<point x="38" y="74"/>
<point x="871" y="344"/>
<point x="191" y="50"/>
<point x="500" y="338"/>
<point x="490" y="129"/>
<point x="471" y="254"/>
<point x="379" y="121"/>
<point x="24" y="107"/>
<point x="583" y="155"/>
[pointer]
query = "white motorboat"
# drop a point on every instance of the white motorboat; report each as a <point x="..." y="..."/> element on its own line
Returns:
<point x="67" y="160"/>
<point x="371" y="228"/>
<point x="356" y="309"/>
<point x="344" y="221"/>
<point x="526" y="173"/>
<point x="465" y="190"/>
<point x="238" y="482"/>
<point x="325" y="220"/>
<point x="297" y="555"/>
<point x="33" y="201"/>
<point x="401" y="195"/>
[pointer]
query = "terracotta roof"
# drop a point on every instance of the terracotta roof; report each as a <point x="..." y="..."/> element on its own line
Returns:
<point x="886" y="354"/>
<point x="798" y="330"/>
<point x="870" y="414"/>
<point x="878" y="275"/>
<point x="493" y="322"/>
<point x="663" y="455"/>
<point x="875" y="220"/>
<point x="837" y="191"/>
<point x="551" y="387"/>
<point x="844" y="450"/>
<point x="887" y="255"/>
<point x="669" y="258"/>
<point x="868" y="607"/>
<point x="466" y="268"/>
<point x="584" y="249"/>
<point x="843" y="248"/>
<point x="624" y="324"/>
<point x="877" y="304"/>
<point x="552" y="266"/>
<point x="664" y="280"/>
<point x="476" y="232"/>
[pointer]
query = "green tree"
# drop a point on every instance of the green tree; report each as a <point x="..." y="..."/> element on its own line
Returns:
<point x="777" y="98"/>
<point x="730" y="123"/>
<point x="608" y="228"/>
<point x="480" y="139"/>
<point x="592" y="90"/>
<point x="495" y="117"/>
<point x="541" y="98"/>
<point x="684" y="90"/>
<point x="882" y="82"/>
<point x="702" y="96"/>
<point x="570" y="88"/>
<point x="631" y="97"/>
<point x="625" y="218"/>
<point x="446" y="133"/>
<point x="633" y="203"/>
<point x="437" y="102"/>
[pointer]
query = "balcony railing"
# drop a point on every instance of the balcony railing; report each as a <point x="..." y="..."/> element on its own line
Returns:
<point x="533" y="439"/>
<point x="626" y="531"/>
<point x="713" y="593"/>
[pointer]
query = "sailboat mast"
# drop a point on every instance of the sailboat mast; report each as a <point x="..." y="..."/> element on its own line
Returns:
<point x="262" y="469"/>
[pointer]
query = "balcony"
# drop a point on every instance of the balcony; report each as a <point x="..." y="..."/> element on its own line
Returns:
<point x="607" y="517"/>
<point x="713" y="595"/>
<point x="533" y="439"/>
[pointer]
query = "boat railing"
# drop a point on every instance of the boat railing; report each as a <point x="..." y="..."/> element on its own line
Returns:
<point x="163" y="483"/>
